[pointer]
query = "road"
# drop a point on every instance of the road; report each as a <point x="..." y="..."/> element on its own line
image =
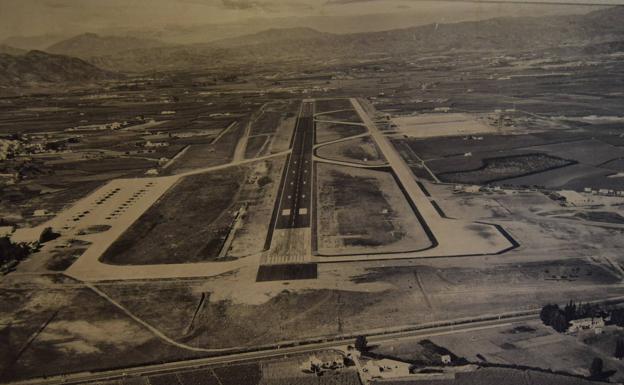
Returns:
<point x="294" y="206"/>
<point x="79" y="378"/>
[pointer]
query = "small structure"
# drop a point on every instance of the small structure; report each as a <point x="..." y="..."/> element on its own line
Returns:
<point x="386" y="368"/>
<point x="472" y="189"/>
<point x="586" y="324"/>
<point x="446" y="359"/>
<point x="40" y="213"/>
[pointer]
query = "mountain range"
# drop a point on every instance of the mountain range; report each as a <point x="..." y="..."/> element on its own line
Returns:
<point x="37" y="67"/>
<point x="598" y="31"/>
<point x="89" y="45"/>
<point x="279" y="45"/>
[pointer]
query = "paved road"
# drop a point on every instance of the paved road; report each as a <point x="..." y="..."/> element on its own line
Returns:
<point x="294" y="207"/>
<point x="80" y="378"/>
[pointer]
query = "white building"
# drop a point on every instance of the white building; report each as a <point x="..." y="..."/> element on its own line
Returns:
<point x="586" y="324"/>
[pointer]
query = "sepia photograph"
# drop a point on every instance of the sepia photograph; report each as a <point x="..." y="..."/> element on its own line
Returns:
<point x="311" y="192"/>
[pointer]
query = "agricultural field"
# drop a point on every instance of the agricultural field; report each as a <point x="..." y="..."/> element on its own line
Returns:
<point x="267" y="372"/>
<point x="327" y="132"/>
<point x="538" y="346"/>
<point x="359" y="150"/>
<point x="494" y="376"/>
<point x="92" y="137"/>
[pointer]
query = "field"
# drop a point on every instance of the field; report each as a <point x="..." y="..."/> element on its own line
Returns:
<point x="192" y="221"/>
<point x="327" y="132"/>
<point x="371" y="296"/>
<point x="556" y="160"/>
<point x="268" y="372"/>
<point x="537" y="346"/>
<point x="205" y="153"/>
<point x="348" y="115"/>
<point x="495" y="376"/>
<point x="362" y="211"/>
<point x="497" y="169"/>
<point x="93" y="136"/>
<point x="327" y="105"/>
<point x="189" y="224"/>
<point x="359" y="150"/>
<point x="431" y="125"/>
<point x="79" y="331"/>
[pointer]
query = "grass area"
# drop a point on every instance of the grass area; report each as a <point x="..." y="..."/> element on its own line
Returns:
<point x="189" y="224"/>
<point x="348" y="115"/>
<point x="601" y="216"/>
<point x="254" y="145"/>
<point x="364" y="211"/>
<point x="62" y="259"/>
<point x="326" y="132"/>
<point x="326" y="105"/>
<point x="359" y="150"/>
<point x="206" y="154"/>
<point x="76" y="330"/>
<point x="497" y="169"/>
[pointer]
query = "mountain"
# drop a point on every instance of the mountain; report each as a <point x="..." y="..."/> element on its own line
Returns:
<point x="29" y="43"/>
<point x="307" y="45"/>
<point x="36" y="67"/>
<point x="272" y="36"/>
<point x="90" y="45"/>
<point x="11" y="50"/>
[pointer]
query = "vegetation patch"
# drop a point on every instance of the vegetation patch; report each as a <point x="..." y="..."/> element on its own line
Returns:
<point x="497" y="169"/>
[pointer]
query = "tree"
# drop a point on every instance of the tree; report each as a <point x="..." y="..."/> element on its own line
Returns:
<point x="595" y="371"/>
<point x="361" y="344"/>
<point x="559" y="322"/>
<point x="548" y="312"/>
<point x="619" y="349"/>
<point x="10" y="251"/>
<point x="617" y="317"/>
<point x="570" y="311"/>
<point x="47" y="235"/>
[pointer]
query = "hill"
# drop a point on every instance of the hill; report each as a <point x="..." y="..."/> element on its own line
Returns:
<point x="36" y="67"/>
<point x="90" y="45"/>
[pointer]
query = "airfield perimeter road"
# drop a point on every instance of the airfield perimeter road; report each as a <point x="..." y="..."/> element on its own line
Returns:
<point x="294" y="206"/>
<point x="468" y="326"/>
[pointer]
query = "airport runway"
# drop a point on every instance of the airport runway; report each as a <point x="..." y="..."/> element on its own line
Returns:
<point x="294" y="207"/>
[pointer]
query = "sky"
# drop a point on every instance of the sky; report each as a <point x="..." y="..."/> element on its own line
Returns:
<point x="67" y="17"/>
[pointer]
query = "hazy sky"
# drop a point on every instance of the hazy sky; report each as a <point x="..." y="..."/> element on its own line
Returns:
<point x="36" y="17"/>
